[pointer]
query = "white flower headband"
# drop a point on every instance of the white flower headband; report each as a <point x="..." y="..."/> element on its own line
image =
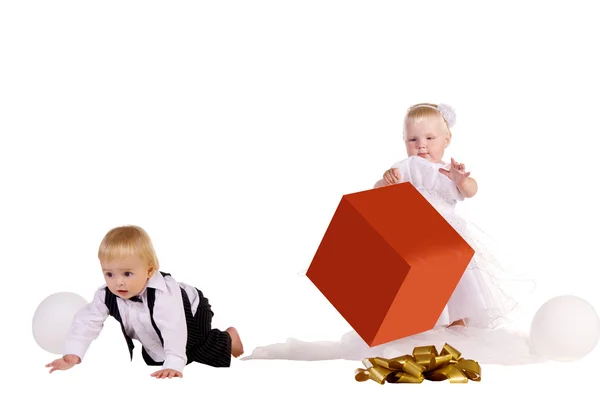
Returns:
<point x="445" y="111"/>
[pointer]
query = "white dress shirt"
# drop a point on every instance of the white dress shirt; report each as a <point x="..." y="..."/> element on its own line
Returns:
<point x="169" y="317"/>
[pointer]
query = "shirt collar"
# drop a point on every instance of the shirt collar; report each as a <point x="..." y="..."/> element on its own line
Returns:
<point x="157" y="281"/>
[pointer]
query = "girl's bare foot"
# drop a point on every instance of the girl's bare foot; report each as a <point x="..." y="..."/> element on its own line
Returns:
<point x="460" y="322"/>
<point x="237" y="348"/>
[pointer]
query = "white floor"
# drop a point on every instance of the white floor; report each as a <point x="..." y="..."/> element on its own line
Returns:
<point x="277" y="379"/>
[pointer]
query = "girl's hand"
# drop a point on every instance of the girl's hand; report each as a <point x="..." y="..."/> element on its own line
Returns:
<point x="64" y="363"/>
<point x="391" y="176"/>
<point x="457" y="172"/>
<point x="167" y="373"/>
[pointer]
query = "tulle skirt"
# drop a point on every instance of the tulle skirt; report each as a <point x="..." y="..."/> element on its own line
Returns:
<point x="491" y="288"/>
<point x="487" y="346"/>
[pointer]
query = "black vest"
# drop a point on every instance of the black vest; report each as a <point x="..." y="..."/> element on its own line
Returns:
<point x="111" y="304"/>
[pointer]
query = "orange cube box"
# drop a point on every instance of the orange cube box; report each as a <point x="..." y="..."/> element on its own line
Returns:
<point x="389" y="263"/>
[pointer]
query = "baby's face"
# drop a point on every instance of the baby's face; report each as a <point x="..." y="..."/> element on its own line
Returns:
<point x="427" y="138"/>
<point x="126" y="278"/>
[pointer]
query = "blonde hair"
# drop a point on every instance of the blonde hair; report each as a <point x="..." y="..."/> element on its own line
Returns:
<point x="126" y="241"/>
<point x="421" y="111"/>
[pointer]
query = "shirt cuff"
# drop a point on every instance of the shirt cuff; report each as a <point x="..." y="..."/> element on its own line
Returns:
<point x="174" y="362"/>
<point x="76" y="349"/>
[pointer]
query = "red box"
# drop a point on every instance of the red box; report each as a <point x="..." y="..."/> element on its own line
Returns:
<point x="389" y="263"/>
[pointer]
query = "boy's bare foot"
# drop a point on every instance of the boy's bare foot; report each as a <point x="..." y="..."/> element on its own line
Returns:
<point x="459" y="322"/>
<point x="237" y="348"/>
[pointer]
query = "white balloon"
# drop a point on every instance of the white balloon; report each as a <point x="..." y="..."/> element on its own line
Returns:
<point x="565" y="328"/>
<point x="52" y="320"/>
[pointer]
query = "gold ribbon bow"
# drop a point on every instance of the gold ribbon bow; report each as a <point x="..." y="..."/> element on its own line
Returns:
<point x="424" y="364"/>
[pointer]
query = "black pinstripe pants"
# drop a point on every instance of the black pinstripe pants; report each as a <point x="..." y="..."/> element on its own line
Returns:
<point x="205" y="345"/>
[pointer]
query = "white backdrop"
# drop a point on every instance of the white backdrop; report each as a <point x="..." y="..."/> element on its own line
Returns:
<point x="230" y="131"/>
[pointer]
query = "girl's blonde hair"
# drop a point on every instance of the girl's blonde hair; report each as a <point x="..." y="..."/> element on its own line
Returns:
<point x="126" y="241"/>
<point x="421" y="111"/>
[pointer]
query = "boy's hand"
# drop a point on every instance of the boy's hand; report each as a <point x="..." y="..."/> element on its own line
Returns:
<point x="64" y="363"/>
<point x="391" y="176"/>
<point x="167" y="373"/>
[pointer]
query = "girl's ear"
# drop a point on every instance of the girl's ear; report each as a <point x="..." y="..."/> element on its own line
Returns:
<point x="448" y="139"/>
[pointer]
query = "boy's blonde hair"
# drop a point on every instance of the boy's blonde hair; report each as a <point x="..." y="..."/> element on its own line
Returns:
<point x="421" y="111"/>
<point x="125" y="241"/>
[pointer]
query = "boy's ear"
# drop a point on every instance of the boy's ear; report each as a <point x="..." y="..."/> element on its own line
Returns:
<point x="151" y="270"/>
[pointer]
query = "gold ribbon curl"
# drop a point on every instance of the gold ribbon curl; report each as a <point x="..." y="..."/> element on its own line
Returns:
<point x="424" y="364"/>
